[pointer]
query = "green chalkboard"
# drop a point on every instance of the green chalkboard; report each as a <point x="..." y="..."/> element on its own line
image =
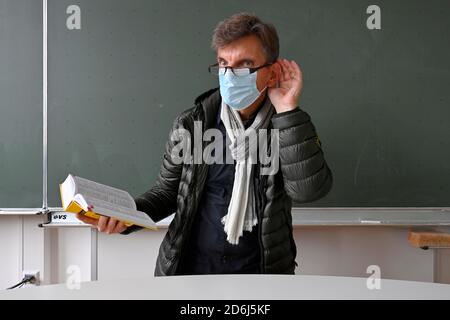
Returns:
<point x="20" y="104"/>
<point x="379" y="98"/>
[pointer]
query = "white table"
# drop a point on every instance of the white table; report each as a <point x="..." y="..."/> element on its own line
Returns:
<point x="235" y="287"/>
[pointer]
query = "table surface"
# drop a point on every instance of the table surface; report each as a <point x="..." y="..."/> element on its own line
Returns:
<point x="235" y="287"/>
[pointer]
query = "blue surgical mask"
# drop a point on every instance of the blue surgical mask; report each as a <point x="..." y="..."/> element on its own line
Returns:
<point x="238" y="92"/>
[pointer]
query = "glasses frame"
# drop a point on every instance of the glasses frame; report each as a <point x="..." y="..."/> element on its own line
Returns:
<point x="251" y="70"/>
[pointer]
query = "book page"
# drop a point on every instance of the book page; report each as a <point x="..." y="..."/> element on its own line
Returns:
<point x="104" y="195"/>
<point x="109" y="201"/>
<point x="67" y="191"/>
<point x="120" y="213"/>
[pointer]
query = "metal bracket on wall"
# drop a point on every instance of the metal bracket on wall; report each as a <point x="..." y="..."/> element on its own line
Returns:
<point x="59" y="218"/>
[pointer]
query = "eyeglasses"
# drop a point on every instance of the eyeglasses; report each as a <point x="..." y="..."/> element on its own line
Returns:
<point x="239" y="72"/>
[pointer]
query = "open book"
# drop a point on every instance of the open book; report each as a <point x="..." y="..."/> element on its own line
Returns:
<point x="79" y="195"/>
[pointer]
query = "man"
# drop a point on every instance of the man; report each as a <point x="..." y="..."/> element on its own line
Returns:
<point x="230" y="218"/>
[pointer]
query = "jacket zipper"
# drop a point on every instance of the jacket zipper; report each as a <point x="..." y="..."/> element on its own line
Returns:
<point x="261" y="215"/>
<point x="262" y="179"/>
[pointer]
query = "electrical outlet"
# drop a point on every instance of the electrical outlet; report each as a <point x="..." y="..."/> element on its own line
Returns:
<point x="32" y="273"/>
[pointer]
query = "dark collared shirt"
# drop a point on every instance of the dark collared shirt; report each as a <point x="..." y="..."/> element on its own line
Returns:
<point x="208" y="251"/>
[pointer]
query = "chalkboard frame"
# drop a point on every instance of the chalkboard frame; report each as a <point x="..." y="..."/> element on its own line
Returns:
<point x="339" y="216"/>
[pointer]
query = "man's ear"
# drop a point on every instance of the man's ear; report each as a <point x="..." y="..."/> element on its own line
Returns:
<point x="275" y="71"/>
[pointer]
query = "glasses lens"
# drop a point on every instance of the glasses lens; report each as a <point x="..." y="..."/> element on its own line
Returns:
<point x="215" y="70"/>
<point x="239" y="72"/>
<point x="221" y="71"/>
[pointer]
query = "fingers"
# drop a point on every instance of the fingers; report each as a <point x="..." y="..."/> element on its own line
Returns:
<point x="87" y="220"/>
<point x="114" y="226"/>
<point x="290" y="70"/>
<point x="110" y="225"/>
<point x="120" y="227"/>
<point x="102" y="223"/>
<point x="297" y="69"/>
<point x="276" y="75"/>
<point x="298" y="75"/>
<point x="284" y="72"/>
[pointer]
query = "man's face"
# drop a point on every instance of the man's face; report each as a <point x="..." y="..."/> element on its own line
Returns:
<point x="247" y="52"/>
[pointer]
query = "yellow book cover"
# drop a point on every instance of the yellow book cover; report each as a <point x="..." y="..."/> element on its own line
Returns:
<point x="75" y="207"/>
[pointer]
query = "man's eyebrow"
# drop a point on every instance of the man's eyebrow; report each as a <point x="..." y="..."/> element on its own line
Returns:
<point x="238" y="62"/>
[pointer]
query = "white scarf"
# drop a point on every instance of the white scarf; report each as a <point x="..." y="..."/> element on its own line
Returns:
<point x="242" y="213"/>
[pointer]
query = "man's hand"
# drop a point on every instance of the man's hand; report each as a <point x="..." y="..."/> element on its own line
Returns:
<point x="285" y="96"/>
<point x="104" y="224"/>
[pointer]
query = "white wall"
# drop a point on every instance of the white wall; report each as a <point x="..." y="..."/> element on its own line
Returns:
<point x="348" y="251"/>
<point x="324" y="250"/>
<point x="10" y="250"/>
